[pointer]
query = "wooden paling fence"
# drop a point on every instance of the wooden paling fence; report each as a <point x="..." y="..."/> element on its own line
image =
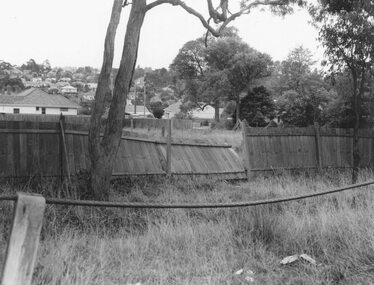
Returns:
<point x="269" y="149"/>
<point x="53" y="148"/>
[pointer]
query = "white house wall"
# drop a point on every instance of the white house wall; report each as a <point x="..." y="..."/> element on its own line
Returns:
<point x="56" y="111"/>
<point x="32" y="110"/>
<point x="22" y="109"/>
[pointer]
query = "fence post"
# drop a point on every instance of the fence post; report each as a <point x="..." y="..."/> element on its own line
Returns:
<point x="168" y="149"/>
<point x="24" y="239"/>
<point x="247" y="164"/>
<point x="61" y="150"/>
<point x="318" y="146"/>
<point x="65" y="148"/>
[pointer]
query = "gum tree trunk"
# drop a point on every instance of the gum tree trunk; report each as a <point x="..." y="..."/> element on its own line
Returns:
<point x="358" y="91"/>
<point x="216" y="110"/>
<point x="238" y="108"/>
<point x="103" y="152"/>
<point x="356" y="153"/>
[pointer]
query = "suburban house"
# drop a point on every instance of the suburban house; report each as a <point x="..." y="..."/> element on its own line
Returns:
<point x="69" y="90"/>
<point x="36" y="101"/>
<point x="205" y="113"/>
<point x="137" y="111"/>
<point x="92" y="86"/>
<point x="88" y="96"/>
<point x="131" y="96"/>
<point x="132" y="112"/>
<point x="173" y="109"/>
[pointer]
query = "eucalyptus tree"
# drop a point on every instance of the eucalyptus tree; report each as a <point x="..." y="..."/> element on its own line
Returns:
<point x="301" y="93"/>
<point x="347" y="33"/>
<point x="220" y="71"/>
<point x="103" y="150"/>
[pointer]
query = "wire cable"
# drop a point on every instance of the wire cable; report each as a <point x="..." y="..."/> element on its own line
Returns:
<point x="136" y="205"/>
<point x="200" y="206"/>
<point x="8" y="198"/>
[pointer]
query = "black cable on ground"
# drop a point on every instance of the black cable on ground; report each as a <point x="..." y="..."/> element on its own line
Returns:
<point x="8" y="198"/>
<point x="199" y="206"/>
<point x="89" y="203"/>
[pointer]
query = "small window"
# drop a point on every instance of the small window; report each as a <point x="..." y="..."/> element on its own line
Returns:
<point x="15" y="111"/>
<point x="64" y="109"/>
<point x="37" y="108"/>
<point x="43" y="110"/>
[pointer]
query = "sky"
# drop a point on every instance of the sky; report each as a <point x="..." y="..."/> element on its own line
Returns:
<point x="72" y="32"/>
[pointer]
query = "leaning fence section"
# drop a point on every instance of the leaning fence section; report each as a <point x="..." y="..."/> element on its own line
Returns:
<point x="54" y="147"/>
<point x="269" y="149"/>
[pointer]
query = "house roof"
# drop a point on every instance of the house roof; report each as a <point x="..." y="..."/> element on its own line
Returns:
<point x="174" y="108"/>
<point x="139" y="109"/>
<point x="129" y="110"/>
<point x="207" y="113"/>
<point x="69" y="87"/>
<point x="207" y="109"/>
<point x="36" y="97"/>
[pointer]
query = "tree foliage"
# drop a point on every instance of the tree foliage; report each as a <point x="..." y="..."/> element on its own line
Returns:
<point x="220" y="71"/>
<point x="301" y="93"/>
<point x="157" y="110"/>
<point x="347" y="33"/>
<point x="257" y="107"/>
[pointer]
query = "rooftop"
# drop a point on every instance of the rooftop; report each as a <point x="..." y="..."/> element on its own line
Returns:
<point x="36" y="97"/>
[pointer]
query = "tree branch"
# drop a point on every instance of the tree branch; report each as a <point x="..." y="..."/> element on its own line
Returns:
<point x="188" y="9"/>
<point x="217" y="17"/>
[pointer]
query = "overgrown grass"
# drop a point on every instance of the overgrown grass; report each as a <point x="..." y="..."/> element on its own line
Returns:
<point x="111" y="246"/>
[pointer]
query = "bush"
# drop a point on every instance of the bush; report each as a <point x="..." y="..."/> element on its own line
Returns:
<point x="158" y="112"/>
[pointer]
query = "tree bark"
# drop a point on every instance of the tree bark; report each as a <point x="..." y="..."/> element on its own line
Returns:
<point x="103" y="91"/>
<point x="238" y="109"/>
<point x="356" y="109"/>
<point x="104" y="153"/>
<point x="216" y="110"/>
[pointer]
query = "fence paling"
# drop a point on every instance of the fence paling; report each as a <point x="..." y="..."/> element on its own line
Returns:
<point x="24" y="239"/>
<point x="318" y="146"/>
<point x="53" y="149"/>
<point x="168" y="150"/>
<point x="247" y="163"/>
<point x="64" y="148"/>
<point x="304" y="148"/>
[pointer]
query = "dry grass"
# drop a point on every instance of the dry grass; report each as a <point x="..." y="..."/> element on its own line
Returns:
<point x="109" y="246"/>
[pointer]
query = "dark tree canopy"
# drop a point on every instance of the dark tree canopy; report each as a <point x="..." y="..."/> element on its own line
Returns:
<point x="257" y="107"/>
<point x="220" y="71"/>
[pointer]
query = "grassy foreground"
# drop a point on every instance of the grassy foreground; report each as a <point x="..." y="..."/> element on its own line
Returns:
<point x="109" y="246"/>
